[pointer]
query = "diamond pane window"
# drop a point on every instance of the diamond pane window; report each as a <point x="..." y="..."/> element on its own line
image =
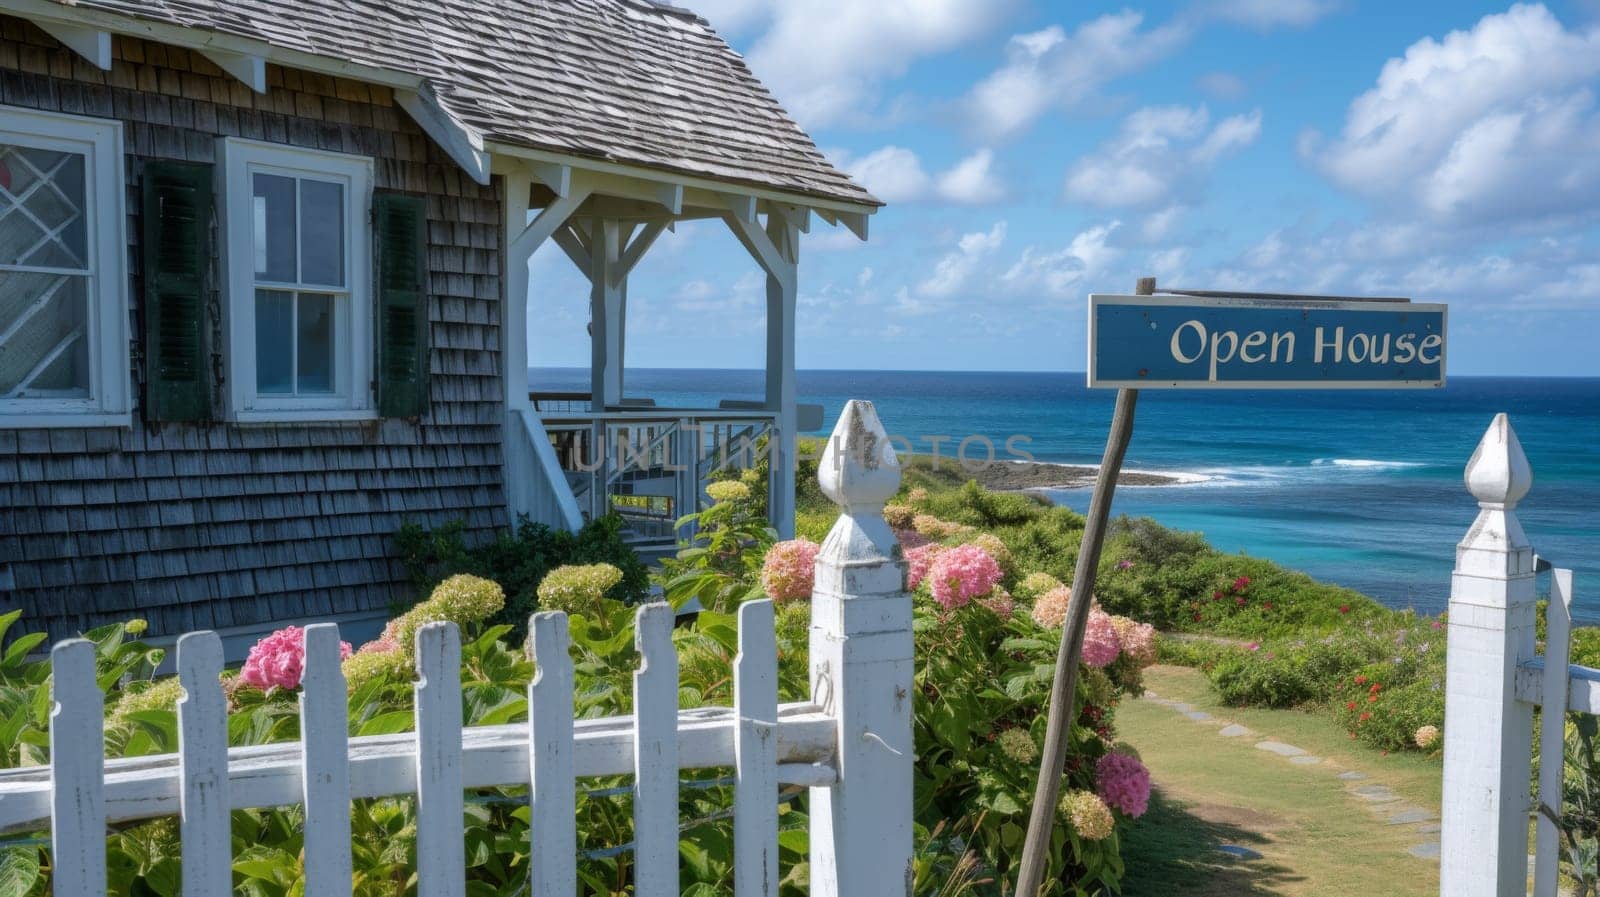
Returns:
<point x="63" y="312"/>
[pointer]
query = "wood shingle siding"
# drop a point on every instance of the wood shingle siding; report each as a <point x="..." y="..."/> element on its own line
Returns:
<point x="197" y="526"/>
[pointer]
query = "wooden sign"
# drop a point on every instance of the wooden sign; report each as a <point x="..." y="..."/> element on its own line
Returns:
<point x="1185" y="342"/>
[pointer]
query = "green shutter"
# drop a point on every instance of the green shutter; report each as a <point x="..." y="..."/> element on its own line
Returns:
<point x="177" y="254"/>
<point x="400" y="226"/>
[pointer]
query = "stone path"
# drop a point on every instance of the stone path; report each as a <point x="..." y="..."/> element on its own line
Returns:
<point x="1419" y="822"/>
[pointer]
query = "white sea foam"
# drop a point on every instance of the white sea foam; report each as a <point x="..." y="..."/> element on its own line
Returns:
<point x="1366" y="463"/>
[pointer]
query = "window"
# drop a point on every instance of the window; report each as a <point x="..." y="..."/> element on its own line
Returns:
<point x="63" y="315"/>
<point x="299" y="303"/>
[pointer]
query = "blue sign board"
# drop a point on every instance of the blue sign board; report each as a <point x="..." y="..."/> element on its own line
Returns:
<point x="1181" y="342"/>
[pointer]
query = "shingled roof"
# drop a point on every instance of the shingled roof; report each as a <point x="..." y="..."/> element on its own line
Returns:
<point x="626" y="81"/>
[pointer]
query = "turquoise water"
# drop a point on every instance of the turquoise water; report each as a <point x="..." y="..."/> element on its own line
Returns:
<point x="1355" y="487"/>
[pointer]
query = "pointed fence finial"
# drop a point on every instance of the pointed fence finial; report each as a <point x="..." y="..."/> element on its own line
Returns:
<point x="859" y="470"/>
<point x="1498" y="475"/>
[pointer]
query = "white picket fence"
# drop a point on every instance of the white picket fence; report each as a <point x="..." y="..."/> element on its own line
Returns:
<point x="851" y="744"/>
<point x="1493" y="682"/>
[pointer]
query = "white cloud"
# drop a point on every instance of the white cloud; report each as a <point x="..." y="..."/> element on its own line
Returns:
<point x="828" y="59"/>
<point x="895" y="174"/>
<point x="1158" y="157"/>
<point x="1223" y="85"/>
<point x="1063" y="272"/>
<point x="1492" y="125"/>
<point x="972" y="181"/>
<point x="1051" y="68"/>
<point x="1265" y="14"/>
<point x="952" y="273"/>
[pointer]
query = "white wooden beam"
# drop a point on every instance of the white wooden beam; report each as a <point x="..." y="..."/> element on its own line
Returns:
<point x="252" y="70"/>
<point x="573" y="246"/>
<point x="90" y="43"/>
<point x="637" y="247"/>
<point x="742" y="206"/>
<point x="551" y="217"/>
<point x="760" y="246"/>
<point x="671" y="196"/>
<point x="799" y="216"/>
<point x="462" y="143"/>
<point x="554" y="175"/>
<point x="856" y="222"/>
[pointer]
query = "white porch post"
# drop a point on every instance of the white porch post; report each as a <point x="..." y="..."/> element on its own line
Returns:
<point x="1488" y="733"/>
<point x="606" y="293"/>
<point x="861" y="671"/>
<point x="782" y="393"/>
<point x="514" y="316"/>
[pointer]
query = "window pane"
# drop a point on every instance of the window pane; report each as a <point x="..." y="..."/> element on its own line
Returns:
<point x="44" y="342"/>
<point x="274" y="342"/>
<point x="273" y="225"/>
<point x="316" y="344"/>
<point x="42" y="200"/>
<point x="322" y="233"/>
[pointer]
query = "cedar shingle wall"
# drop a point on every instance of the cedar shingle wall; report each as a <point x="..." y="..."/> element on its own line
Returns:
<point x="196" y="527"/>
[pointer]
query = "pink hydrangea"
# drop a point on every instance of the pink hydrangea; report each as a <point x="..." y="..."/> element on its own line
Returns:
<point x="1123" y="783"/>
<point x="1100" y="643"/>
<point x="1138" y="640"/>
<point x="789" y="570"/>
<point x="278" y="660"/>
<point x="918" y="560"/>
<point x="961" y="574"/>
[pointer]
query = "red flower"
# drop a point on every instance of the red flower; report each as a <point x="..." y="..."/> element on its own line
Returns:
<point x="1240" y="583"/>
<point x="1197" y="618"/>
<point x="1350" y="706"/>
<point x="1268" y="605"/>
<point x="1361" y="680"/>
<point x="1239" y="601"/>
<point x="1365" y="717"/>
<point x="1374" y="688"/>
<point x="1344" y="608"/>
<point x="1217" y="595"/>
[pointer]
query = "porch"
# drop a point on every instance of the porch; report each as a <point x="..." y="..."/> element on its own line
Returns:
<point x="574" y="456"/>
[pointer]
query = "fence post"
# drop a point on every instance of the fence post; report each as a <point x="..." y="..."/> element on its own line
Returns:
<point x="1488" y="734"/>
<point x="861" y="671"/>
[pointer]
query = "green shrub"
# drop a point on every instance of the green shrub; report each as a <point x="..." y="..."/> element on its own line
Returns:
<point x="520" y="559"/>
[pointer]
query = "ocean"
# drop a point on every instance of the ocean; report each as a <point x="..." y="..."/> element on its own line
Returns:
<point x="1360" y="488"/>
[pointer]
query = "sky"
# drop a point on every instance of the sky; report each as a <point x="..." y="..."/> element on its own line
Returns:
<point x="1034" y="152"/>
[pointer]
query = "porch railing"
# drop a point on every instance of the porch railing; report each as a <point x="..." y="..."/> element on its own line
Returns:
<point x="649" y="465"/>
<point x="851" y="744"/>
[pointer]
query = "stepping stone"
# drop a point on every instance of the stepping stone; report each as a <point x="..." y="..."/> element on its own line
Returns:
<point x="1305" y="760"/>
<point x="1182" y="708"/>
<point x="1352" y="776"/>
<point x="1377" y="794"/>
<point x="1198" y="716"/>
<point x="1279" y="748"/>
<point x="1234" y="730"/>
<point x="1408" y="815"/>
<point x="1431" y="828"/>
<point x="1237" y="852"/>
<point x="1150" y="694"/>
<point x="1428" y="851"/>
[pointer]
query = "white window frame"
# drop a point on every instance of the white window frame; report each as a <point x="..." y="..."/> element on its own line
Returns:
<point x="99" y="140"/>
<point x="353" y="348"/>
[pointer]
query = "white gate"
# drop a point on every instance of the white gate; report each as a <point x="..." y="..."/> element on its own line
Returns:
<point x="1493" y="681"/>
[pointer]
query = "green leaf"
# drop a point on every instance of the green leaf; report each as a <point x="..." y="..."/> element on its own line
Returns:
<point x="19" y="866"/>
<point x="391" y="723"/>
<point x="18" y="652"/>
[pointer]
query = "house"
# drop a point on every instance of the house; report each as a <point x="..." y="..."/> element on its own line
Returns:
<point x="264" y="287"/>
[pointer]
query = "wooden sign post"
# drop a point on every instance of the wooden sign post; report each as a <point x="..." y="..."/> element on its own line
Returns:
<point x="1194" y="339"/>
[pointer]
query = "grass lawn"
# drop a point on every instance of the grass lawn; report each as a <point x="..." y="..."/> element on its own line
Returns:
<point x="1315" y="838"/>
